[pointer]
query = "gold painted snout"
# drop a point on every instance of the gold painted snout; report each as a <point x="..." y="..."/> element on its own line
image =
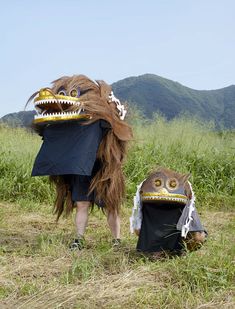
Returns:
<point x="45" y="94"/>
<point x="52" y="107"/>
<point x="163" y="195"/>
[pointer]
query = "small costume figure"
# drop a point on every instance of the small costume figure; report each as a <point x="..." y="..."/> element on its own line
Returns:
<point x="164" y="215"/>
<point x="84" y="144"/>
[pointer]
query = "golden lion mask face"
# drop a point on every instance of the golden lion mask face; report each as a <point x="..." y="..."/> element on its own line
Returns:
<point x="166" y="185"/>
<point x="59" y="106"/>
<point x="68" y="97"/>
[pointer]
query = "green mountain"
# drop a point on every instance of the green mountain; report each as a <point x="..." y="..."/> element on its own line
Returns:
<point x="20" y="119"/>
<point x="151" y="93"/>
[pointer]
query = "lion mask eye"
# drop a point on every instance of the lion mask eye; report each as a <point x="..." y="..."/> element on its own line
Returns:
<point x="158" y="182"/>
<point x="172" y="184"/>
<point x="75" y="93"/>
<point x="62" y="92"/>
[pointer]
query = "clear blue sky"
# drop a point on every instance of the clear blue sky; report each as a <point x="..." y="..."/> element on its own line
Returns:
<point x="189" y="41"/>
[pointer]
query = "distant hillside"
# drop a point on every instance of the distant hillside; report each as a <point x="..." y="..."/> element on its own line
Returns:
<point x="151" y="93"/>
<point x="20" y="119"/>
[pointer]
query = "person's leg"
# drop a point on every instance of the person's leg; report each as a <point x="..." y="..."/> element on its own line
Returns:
<point x="81" y="217"/>
<point x="113" y="219"/>
<point x="81" y="220"/>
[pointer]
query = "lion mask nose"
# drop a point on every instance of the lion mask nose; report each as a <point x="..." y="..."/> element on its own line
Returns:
<point x="44" y="92"/>
<point x="163" y="191"/>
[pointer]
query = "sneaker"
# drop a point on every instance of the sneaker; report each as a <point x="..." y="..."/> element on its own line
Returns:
<point x="116" y="242"/>
<point x="77" y="244"/>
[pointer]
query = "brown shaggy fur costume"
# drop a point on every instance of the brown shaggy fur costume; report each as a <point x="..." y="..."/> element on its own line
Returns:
<point x="108" y="183"/>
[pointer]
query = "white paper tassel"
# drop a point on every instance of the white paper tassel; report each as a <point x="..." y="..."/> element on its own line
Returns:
<point x="137" y="216"/>
<point x="191" y="208"/>
<point x="120" y="107"/>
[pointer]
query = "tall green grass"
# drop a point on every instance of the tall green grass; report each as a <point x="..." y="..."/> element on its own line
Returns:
<point x="17" y="153"/>
<point x="187" y="146"/>
<point x="184" y="145"/>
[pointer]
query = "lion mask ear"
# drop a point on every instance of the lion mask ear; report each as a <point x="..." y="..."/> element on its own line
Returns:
<point x="105" y="89"/>
<point x="188" y="188"/>
<point x="185" y="177"/>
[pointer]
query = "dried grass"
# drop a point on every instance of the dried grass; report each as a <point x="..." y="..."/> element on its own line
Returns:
<point x="38" y="271"/>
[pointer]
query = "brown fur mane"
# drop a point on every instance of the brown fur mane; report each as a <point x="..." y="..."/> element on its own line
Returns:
<point x="108" y="183"/>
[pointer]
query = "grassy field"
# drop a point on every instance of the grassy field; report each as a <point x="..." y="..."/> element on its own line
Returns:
<point x="38" y="271"/>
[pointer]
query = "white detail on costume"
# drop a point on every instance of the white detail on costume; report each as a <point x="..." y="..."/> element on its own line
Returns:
<point x="120" y="107"/>
<point x="61" y="101"/>
<point x="95" y="82"/>
<point x="57" y="114"/>
<point x="189" y="219"/>
<point x="136" y="217"/>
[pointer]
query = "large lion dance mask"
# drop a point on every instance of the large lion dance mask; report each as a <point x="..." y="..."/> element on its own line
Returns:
<point x="79" y="98"/>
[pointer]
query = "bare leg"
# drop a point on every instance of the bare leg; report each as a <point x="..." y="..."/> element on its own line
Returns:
<point x="114" y="224"/>
<point x="81" y="218"/>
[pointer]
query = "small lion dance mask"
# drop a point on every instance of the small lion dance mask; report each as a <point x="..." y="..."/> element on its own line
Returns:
<point x="164" y="214"/>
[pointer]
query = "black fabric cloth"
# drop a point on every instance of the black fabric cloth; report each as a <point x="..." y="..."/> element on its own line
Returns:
<point x="158" y="230"/>
<point x="69" y="148"/>
<point x="79" y="187"/>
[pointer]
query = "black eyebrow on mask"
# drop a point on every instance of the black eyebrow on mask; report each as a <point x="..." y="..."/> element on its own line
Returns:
<point x="61" y="88"/>
<point x="84" y="91"/>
